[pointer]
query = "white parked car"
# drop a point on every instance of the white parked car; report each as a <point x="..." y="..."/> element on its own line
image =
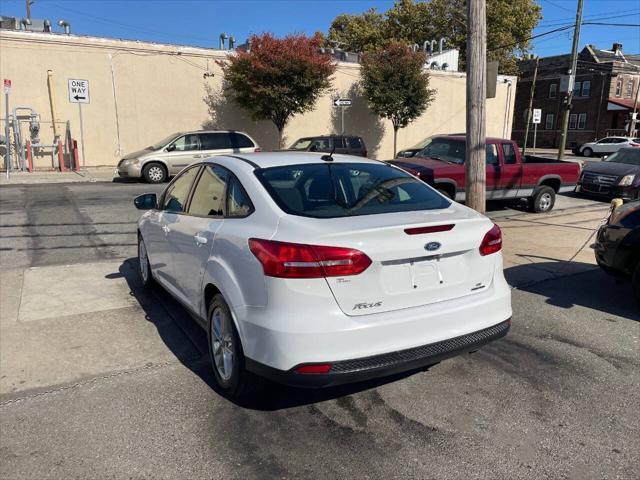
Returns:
<point x="314" y="270"/>
<point x="607" y="146"/>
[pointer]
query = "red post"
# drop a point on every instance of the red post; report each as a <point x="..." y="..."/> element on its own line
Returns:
<point x="76" y="162"/>
<point x="61" y="164"/>
<point x="29" y="157"/>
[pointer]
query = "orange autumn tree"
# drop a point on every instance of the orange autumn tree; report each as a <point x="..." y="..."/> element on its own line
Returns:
<point x="278" y="77"/>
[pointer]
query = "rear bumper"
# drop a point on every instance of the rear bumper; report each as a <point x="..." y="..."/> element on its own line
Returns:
<point x="360" y="369"/>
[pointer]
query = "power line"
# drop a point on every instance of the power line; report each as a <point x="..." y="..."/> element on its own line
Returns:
<point x="513" y="44"/>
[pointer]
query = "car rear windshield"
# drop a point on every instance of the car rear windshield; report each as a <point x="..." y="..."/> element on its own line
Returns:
<point x="630" y="156"/>
<point x="301" y="144"/>
<point x="332" y="190"/>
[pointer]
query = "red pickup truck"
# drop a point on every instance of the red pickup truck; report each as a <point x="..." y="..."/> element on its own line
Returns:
<point x="509" y="177"/>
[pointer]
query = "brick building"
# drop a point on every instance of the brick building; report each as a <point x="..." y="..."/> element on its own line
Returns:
<point x="605" y="91"/>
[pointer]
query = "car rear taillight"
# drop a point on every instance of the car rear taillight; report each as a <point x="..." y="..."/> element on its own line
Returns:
<point x="492" y="241"/>
<point x="257" y="149"/>
<point x="314" y="368"/>
<point x="294" y="260"/>
<point x="632" y="144"/>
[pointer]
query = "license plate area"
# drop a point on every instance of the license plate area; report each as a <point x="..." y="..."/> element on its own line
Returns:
<point x="420" y="274"/>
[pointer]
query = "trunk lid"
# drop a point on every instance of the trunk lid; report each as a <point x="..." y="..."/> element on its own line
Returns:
<point x="407" y="270"/>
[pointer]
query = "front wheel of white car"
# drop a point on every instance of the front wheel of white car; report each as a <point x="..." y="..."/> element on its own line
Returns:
<point x="144" y="267"/>
<point x="587" y="152"/>
<point x="225" y="351"/>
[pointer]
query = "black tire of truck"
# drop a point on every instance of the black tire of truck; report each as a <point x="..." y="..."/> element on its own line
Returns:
<point x="542" y="200"/>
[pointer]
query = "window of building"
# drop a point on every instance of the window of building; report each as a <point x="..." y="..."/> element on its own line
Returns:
<point x="586" y="88"/>
<point x="629" y="88"/>
<point x="548" y="121"/>
<point x="576" y="88"/>
<point x="619" y="87"/>
<point x="553" y="90"/>
<point x="573" y="121"/>
<point x="582" y="121"/>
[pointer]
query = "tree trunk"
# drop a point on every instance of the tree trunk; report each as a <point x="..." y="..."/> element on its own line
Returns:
<point x="280" y="130"/>
<point x="475" y="164"/>
<point x="395" y="140"/>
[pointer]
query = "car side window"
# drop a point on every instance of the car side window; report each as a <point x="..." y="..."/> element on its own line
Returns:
<point x="187" y="143"/>
<point x="492" y="154"/>
<point x="239" y="140"/>
<point x="319" y="144"/>
<point x="238" y="202"/>
<point x="338" y="142"/>
<point x="355" y="143"/>
<point x="208" y="196"/>
<point x="177" y="194"/>
<point x="215" y="141"/>
<point x="509" y="153"/>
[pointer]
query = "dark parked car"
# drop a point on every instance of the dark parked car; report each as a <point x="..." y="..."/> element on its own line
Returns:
<point x="617" y="245"/>
<point x="346" y="144"/>
<point x="618" y="175"/>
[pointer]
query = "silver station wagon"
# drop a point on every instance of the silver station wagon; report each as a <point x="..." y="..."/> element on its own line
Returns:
<point x="159" y="161"/>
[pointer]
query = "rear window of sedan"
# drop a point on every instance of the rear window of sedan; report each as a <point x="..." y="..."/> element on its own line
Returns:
<point x="333" y="190"/>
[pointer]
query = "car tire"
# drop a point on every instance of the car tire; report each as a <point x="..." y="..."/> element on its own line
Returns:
<point x="144" y="266"/>
<point x="225" y="352"/>
<point x="635" y="282"/>
<point x="587" y="152"/>
<point x="542" y="200"/>
<point x="445" y="193"/>
<point x="155" y="173"/>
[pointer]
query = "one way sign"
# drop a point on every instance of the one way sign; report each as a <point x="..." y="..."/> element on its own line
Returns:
<point x="78" y="91"/>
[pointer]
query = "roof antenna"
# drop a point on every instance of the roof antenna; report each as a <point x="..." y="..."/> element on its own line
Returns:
<point x="329" y="158"/>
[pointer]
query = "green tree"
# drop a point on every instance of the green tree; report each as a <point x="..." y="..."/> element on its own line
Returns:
<point x="278" y="78"/>
<point x="509" y="26"/>
<point x="396" y="84"/>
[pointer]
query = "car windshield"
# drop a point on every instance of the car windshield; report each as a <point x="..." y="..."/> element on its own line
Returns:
<point x="163" y="142"/>
<point x="446" y="149"/>
<point x="629" y="156"/>
<point x="301" y="144"/>
<point x="422" y="144"/>
<point x="332" y="190"/>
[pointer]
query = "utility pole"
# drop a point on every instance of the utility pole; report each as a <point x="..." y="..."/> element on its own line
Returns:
<point x="530" y="110"/>
<point x="572" y="80"/>
<point x="28" y="8"/>
<point x="632" y="123"/>
<point x="475" y="165"/>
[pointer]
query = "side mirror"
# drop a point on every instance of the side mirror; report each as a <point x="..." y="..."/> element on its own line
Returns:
<point x="170" y="148"/>
<point x="146" y="201"/>
<point x="605" y="157"/>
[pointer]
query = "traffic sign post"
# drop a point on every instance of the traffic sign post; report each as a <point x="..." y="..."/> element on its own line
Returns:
<point x="537" y="118"/>
<point x="342" y="103"/>
<point x="79" y="93"/>
<point x="7" y="132"/>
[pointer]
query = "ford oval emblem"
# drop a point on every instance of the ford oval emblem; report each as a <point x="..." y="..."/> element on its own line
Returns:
<point x="432" y="246"/>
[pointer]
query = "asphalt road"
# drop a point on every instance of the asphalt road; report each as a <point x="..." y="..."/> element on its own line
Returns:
<point x="557" y="398"/>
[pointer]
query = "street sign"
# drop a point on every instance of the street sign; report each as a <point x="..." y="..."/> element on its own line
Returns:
<point x="78" y="91"/>
<point x="342" y="102"/>
<point x="537" y="115"/>
<point x="7" y="86"/>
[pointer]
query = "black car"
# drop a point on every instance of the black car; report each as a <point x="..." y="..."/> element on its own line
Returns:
<point x="617" y="245"/>
<point x="346" y="144"/>
<point x="618" y="175"/>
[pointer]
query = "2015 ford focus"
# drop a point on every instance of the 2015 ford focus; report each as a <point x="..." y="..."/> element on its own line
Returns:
<point x="316" y="270"/>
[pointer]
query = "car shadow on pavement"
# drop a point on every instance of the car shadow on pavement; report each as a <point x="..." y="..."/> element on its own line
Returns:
<point x="570" y="284"/>
<point x="188" y="342"/>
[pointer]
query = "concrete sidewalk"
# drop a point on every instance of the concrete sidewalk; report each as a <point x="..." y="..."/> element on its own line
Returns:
<point x="93" y="174"/>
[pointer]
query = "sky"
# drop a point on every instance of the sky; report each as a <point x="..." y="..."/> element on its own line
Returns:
<point x="200" y="22"/>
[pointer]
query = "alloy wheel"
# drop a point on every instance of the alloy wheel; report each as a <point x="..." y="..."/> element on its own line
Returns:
<point x="222" y="343"/>
<point x="144" y="261"/>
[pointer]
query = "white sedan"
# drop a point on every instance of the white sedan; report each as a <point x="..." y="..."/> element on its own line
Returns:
<point x="317" y="270"/>
<point x="607" y="146"/>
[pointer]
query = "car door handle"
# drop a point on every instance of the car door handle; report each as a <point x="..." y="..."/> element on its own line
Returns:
<point x="200" y="240"/>
<point x="198" y="156"/>
<point x="166" y="229"/>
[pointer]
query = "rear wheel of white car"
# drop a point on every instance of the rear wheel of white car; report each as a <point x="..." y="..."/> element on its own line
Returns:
<point x="225" y="351"/>
<point x="154" y="173"/>
<point x="143" y="263"/>
<point x="543" y="199"/>
<point x="587" y="152"/>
